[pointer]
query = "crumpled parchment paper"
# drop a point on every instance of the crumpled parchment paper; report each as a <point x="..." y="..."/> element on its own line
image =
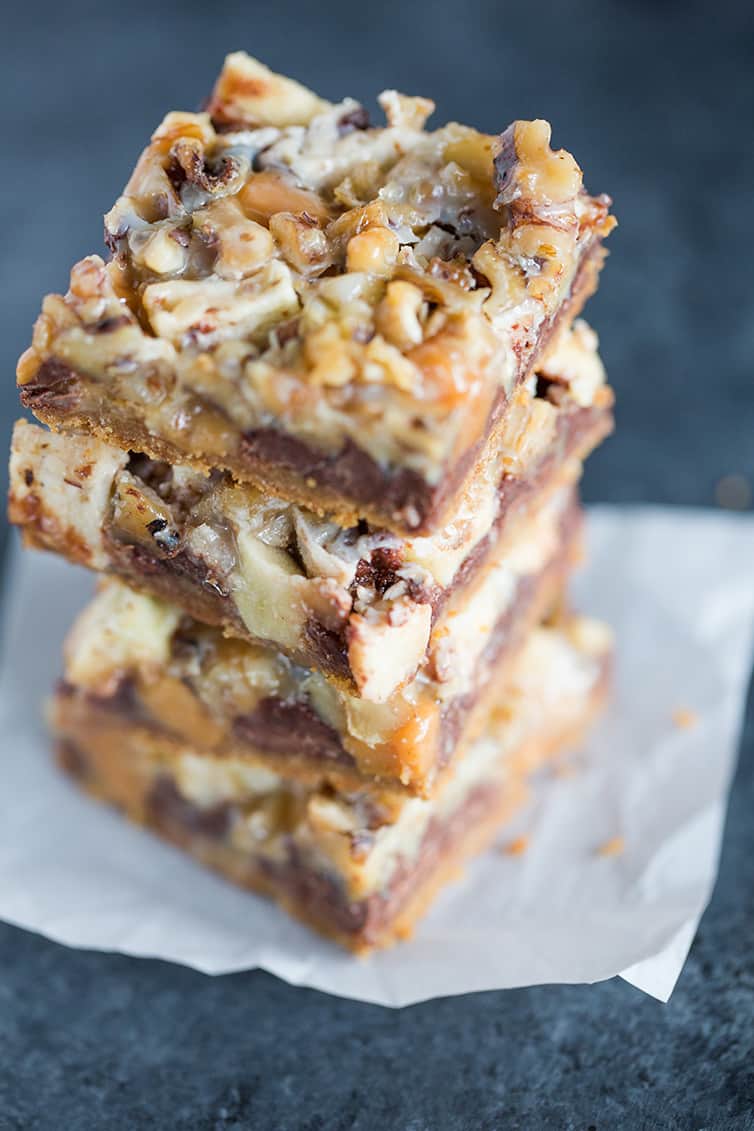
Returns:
<point x="678" y="587"/>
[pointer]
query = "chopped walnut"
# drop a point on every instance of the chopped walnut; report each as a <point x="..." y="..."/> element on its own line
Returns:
<point x="302" y="244"/>
<point x="355" y="189"/>
<point x="532" y="179"/>
<point x="398" y="317"/>
<point x="373" y="252"/>
<point x="268" y="192"/>
<point x="331" y="357"/>
<point x="401" y="111"/>
<point x="222" y="176"/>
<point x="243" y="246"/>
<point x="205" y="310"/>
<point x="385" y="364"/>
<point x="249" y="94"/>
<point x="475" y="153"/>
<point x="142" y="516"/>
<point x="177" y="126"/>
<point x="162" y="254"/>
<point x="528" y="431"/>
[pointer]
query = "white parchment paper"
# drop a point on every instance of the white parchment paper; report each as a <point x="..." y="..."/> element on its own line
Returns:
<point x="678" y="586"/>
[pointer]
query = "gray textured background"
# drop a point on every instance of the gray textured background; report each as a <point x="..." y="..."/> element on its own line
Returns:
<point x="657" y="102"/>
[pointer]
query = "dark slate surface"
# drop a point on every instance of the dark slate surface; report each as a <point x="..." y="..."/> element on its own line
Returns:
<point x="657" y="101"/>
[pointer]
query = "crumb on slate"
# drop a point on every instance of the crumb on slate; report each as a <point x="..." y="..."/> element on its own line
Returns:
<point x="733" y="492"/>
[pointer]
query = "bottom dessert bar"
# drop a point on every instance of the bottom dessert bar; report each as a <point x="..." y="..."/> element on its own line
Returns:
<point x="360" y="867"/>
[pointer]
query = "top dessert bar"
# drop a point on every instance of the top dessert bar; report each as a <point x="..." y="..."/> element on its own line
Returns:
<point x="336" y="312"/>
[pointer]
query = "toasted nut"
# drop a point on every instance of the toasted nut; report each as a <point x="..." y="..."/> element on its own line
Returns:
<point x="449" y="361"/>
<point x="474" y="152"/>
<point x="267" y="192"/>
<point x="213" y="179"/>
<point x="403" y="111"/>
<point x="179" y="124"/>
<point x="302" y="243"/>
<point x="357" y="220"/>
<point x="88" y="278"/>
<point x="529" y="171"/>
<point x="244" y="245"/>
<point x="249" y="94"/>
<point x="388" y="365"/>
<point x="529" y="431"/>
<point x="397" y="316"/>
<point x="329" y="357"/>
<point x="359" y="186"/>
<point x="211" y="309"/>
<point x="384" y="364"/>
<point x="507" y="286"/>
<point x="28" y="362"/>
<point x="547" y="247"/>
<point x="140" y="515"/>
<point x="330" y="814"/>
<point x="373" y="251"/>
<point x="162" y="254"/>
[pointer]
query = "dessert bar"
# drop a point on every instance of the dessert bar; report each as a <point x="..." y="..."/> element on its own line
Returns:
<point x="335" y="312"/>
<point x="227" y="695"/>
<point x="358" y="866"/>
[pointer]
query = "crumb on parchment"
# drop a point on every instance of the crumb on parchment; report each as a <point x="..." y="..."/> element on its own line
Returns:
<point x="684" y="718"/>
<point x="515" y="847"/>
<point x="613" y="847"/>
<point x="565" y="769"/>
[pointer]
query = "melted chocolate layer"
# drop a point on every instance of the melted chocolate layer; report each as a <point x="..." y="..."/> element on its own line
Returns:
<point x="165" y="806"/>
<point x="281" y="727"/>
<point x="351" y="472"/>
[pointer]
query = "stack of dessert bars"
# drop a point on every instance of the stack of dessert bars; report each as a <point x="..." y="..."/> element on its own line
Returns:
<point x="320" y="418"/>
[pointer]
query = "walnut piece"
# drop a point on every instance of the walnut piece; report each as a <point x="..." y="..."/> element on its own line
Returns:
<point x="249" y="94"/>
